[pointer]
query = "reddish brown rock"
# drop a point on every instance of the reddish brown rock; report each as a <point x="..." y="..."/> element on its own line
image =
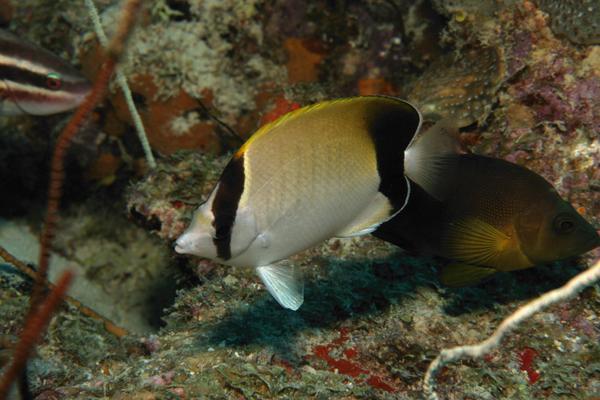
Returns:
<point x="171" y="124"/>
<point x="303" y="61"/>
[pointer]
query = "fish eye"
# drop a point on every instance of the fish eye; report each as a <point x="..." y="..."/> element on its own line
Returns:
<point x="53" y="81"/>
<point x="563" y="223"/>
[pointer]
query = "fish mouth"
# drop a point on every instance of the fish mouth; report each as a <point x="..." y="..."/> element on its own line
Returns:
<point x="182" y="245"/>
<point x="179" y="249"/>
<point x="80" y="91"/>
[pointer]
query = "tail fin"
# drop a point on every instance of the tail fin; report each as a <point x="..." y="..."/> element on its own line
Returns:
<point x="431" y="158"/>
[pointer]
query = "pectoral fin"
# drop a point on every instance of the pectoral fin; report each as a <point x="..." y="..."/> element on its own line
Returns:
<point x="284" y="282"/>
<point x="474" y="241"/>
<point x="458" y="275"/>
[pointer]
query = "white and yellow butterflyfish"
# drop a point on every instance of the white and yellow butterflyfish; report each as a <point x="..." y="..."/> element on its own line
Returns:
<point x="333" y="169"/>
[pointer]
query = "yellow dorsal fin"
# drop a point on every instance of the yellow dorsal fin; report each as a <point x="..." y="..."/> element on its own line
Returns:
<point x="474" y="241"/>
<point x="285" y="118"/>
<point x="457" y="275"/>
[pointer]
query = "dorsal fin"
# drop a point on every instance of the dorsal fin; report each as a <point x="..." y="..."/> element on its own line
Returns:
<point x="390" y="122"/>
<point x="270" y="126"/>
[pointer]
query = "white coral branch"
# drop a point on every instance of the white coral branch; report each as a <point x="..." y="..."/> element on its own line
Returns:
<point x="122" y="82"/>
<point x="572" y="288"/>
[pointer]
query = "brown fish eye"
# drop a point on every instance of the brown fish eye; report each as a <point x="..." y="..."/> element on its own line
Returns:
<point x="563" y="224"/>
<point x="53" y="81"/>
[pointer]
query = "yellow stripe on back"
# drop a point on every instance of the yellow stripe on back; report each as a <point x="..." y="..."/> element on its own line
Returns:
<point x="308" y="159"/>
<point x="290" y="116"/>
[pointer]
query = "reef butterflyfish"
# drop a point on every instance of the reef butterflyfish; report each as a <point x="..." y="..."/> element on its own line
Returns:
<point x="35" y="81"/>
<point x="337" y="168"/>
<point x="497" y="216"/>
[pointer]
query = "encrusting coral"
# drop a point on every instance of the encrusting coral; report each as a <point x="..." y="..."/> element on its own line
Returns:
<point x="466" y="90"/>
<point x="575" y="19"/>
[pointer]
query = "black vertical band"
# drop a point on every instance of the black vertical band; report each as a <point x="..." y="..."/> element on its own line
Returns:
<point x="392" y="123"/>
<point x="225" y="205"/>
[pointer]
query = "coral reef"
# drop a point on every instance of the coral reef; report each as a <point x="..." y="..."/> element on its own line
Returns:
<point x="164" y="201"/>
<point x="466" y="90"/>
<point x="577" y="20"/>
<point x="519" y="77"/>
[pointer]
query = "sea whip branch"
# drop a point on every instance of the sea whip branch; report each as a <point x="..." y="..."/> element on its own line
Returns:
<point x="30" y="272"/>
<point x="122" y="82"/>
<point x="32" y="331"/>
<point x="40" y="309"/>
<point x="572" y="288"/>
<point x="57" y="173"/>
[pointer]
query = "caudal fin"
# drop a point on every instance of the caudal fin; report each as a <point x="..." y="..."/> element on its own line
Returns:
<point x="431" y="159"/>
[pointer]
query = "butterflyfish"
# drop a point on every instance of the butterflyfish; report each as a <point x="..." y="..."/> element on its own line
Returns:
<point x="337" y="168"/>
<point x="35" y="81"/>
<point x="498" y="216"/>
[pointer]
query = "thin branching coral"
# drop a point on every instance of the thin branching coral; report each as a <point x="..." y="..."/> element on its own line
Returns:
<point x="30" y="272"/>
<point x="32" y="331"/>
<point x="41" y="309"/>
<point x="57" y="173"/>
<point x="122" y="82"/>
<point x="572" y="288"/>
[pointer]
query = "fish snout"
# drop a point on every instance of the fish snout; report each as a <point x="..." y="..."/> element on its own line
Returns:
<point x="195" y="242"/>
<point x="182" y="244"/>
<point x="73" y="94"/>
<point x="80" y="91"/>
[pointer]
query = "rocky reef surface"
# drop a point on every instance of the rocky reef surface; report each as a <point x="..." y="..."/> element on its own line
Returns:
<point x="522" y="79"/>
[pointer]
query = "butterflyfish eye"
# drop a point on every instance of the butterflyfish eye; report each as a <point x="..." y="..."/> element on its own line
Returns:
<point x="53" y="81"/>
<point x="563" y="224"/>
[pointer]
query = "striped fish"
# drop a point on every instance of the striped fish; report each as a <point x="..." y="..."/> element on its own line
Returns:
<point x="336" y="168"/>
<point x="35" y="81"/>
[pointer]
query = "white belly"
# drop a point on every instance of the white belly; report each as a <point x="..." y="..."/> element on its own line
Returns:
<point x="304" y="224"/>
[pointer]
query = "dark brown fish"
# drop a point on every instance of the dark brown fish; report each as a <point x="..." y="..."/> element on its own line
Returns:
<point x="498" y="216"/>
